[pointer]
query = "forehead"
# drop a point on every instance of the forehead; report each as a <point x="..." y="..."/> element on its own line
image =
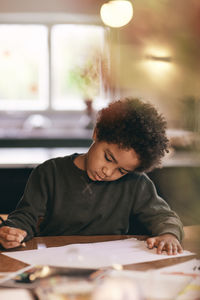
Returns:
<point x="126" y="158"/>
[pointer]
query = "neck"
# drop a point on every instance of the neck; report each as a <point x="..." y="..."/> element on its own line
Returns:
<point x="80" y="161"/>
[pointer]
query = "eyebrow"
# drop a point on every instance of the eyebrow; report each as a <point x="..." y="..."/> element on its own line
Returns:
<point x="111" y="154"/>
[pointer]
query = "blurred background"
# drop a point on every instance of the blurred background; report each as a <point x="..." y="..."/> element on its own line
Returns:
<point x="59" y="64"/>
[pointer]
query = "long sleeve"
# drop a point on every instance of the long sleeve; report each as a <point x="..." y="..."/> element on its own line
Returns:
<point x="153" y="212"/>
<point x="70" y="203"/>
<point x="32" y="204"/>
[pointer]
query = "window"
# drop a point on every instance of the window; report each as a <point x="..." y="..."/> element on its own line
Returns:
<point x="23" y="67"/>
<point x="76" y="64"/>
<point x="50" y="66"/>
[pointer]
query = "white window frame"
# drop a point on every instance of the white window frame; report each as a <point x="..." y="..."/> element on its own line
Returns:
<point x="48" y="20"/>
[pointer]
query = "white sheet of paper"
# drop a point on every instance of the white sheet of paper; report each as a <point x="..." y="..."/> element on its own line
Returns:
<point x="92" y="255"/>
<point x="187" y="268"/>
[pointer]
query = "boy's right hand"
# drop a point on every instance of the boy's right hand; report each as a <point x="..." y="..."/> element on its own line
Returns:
<point x="11" y="237"/>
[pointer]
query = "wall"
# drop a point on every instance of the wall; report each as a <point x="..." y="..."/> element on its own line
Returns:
<point x="160" y="58"/>
<point x="54" y="6"/>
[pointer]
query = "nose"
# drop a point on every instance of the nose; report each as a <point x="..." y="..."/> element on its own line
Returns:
<point x="107" y="172"/>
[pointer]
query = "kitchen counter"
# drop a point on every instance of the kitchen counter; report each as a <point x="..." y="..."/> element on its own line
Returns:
<point x="32" y="156"/>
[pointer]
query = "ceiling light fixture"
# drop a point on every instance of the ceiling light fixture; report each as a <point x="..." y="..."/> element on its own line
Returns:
<point x="116" y="13"/>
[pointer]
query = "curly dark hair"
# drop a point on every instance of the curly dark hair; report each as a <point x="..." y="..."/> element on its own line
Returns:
<point x="132" y="123"/>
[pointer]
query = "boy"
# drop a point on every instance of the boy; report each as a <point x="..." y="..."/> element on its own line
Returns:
<point x="103" y="191"/>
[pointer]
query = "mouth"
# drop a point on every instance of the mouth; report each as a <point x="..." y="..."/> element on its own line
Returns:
<point x="95" y="176"/>
<point x="98" y="177"/>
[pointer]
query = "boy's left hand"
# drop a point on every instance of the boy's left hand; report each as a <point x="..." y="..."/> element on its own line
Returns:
<point x="166" y="242"/>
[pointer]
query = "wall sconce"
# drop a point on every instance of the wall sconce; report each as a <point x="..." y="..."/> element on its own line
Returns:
<point x="159" y="58"/>
<point x="159" y="54"/>
<point x="158" y="63"/>
<point x="116" y="13"/>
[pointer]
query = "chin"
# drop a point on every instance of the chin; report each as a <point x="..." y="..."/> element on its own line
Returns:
<point x="89" y="174"/>
<point x="94" y="177"/>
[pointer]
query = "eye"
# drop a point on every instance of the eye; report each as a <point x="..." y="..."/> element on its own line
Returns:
<point x="107" y="158"/>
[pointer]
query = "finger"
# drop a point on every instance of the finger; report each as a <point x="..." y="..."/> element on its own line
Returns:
<point x="180" y="249"/>
<point x="8" y="245"/>
<point x="160" y="247"/>
<point x="150" y="242"/>
<point x="23" y="232"/>
<point x="8" y="229"/>
<point x="10" y="237"/>
<point x="175" y="250"/>
<point x="13" y="231"/>
<point x="169" y="249"/>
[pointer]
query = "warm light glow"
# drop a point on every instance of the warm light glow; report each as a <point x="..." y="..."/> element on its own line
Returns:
<point x="158" y="63"/>
<point x="116" y="13"/>
<point x="159" y="69"/>
<point x="158" y="51"/>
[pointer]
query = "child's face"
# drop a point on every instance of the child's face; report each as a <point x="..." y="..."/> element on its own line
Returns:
<point x="108" y="162"/>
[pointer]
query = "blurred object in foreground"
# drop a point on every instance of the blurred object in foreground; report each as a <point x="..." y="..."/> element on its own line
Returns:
<point x="117" y="289"/>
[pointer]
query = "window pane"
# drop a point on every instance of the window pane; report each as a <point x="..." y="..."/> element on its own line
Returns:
<point x="76" y="65"/>
<point x="23" y="67"/>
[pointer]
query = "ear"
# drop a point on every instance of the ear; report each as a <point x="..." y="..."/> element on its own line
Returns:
<point x="94" y="136"/>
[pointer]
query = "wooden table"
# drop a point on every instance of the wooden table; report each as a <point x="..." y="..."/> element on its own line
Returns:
<point x="191" y="242"/>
